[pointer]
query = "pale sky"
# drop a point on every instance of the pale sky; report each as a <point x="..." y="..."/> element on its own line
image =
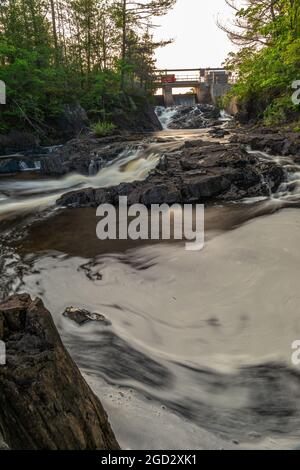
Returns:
<point x="198" y="42"/>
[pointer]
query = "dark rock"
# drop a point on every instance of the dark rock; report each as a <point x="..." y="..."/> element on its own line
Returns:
<point x="197" y="143"/>
<point x="77" y="154"/>
<point x="82" y="316"/>
<point x="72" y="121"/>
<point x="218" y="133"/>
<point x="3" y="445"/>
<point x="45" y="404"/>
<point x="273" y="141"/>
<point x="196" y="174"/>
<point x="195" y="117"/>
<point x="163" y="163"/>
<point x="9" y="165"/>
<point x="17" y="141"/>
<point x="136" y="115"/>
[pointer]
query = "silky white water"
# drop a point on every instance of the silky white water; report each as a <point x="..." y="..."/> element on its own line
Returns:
<point x="29" y="195"/>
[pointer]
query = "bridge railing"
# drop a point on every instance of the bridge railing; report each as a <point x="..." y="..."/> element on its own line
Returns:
<point x="192" y="75"/>
<point x="169" y="76"/>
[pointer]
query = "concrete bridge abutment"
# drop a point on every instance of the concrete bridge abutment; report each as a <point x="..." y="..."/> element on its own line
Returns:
<point x="168" y="96"/>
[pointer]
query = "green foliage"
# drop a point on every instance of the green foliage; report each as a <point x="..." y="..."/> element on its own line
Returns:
<point x="102" y="129"/>
<point x="281" y="110"/>
<point x="269" y="61"/>
<point x="58" y="52"/>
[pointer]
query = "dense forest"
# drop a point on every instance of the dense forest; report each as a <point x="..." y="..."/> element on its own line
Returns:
<point x="268" y="59"/>
<point x="53" y="53"/>
<point x="100" y="54"/>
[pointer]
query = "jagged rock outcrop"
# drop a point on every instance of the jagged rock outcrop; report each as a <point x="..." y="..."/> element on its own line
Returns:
<point x="44" y="401"/>
<point x="269" y="140"/>
<point x="17" y="141"/>
<point x="76" y="155"/>
<point x="200" y="172"/>
<point x="72" y="121"/>
<point x="136" y="115"/>
<point x="195" y="117"/>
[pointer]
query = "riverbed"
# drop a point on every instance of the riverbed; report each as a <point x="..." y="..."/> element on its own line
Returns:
<point x="198" y="353"/>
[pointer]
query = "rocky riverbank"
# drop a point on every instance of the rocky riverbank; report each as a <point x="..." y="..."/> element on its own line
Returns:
<point x="77" y="154"/>
<point x="276" y="141"/>
<point x="193" y="117"/>
<point x="199" y="171"/>
<point x="27" y="147"/>
<point x="45" y="402"/>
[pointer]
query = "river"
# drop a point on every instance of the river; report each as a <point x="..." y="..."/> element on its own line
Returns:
<point x="198" y="354"/>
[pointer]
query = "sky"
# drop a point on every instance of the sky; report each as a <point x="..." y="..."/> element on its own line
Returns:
<point x="198" y="42"/>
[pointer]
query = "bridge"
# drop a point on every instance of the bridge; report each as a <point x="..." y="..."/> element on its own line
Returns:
<point x="206" y="85"/>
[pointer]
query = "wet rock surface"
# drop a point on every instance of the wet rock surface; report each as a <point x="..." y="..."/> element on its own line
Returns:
<point x="17" y="141"/>
<point x="3" y="445"/>
<point x="200" y="171"/>
<point x="77" y="154"/>
<point x="196" y="117"/>
<point x="272" y="140"/>
<point x="45" y="403"/>
<point x="82" y="316"/>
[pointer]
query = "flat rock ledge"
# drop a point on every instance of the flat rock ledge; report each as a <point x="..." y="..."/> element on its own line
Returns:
<point x="45" y="404"/>
<point x="200" y="172"/>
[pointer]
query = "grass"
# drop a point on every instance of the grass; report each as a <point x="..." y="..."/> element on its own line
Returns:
<point x="102" y="129"/>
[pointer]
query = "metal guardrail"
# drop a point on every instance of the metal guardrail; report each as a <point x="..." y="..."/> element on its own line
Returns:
<point x="169" y="76"/>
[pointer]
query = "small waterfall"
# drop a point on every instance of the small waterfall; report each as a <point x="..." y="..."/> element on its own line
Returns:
<point x="289" y="190"/>
<point x="23" y="166"/>
<point x="185" y="100"/>
<point x="165" y="115"/>
<point x="32" y="166"/>
<point x="133" y="164"/>
<point x="224" y="116"/>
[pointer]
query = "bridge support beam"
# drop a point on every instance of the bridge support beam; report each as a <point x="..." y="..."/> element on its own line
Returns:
<point x="168" y="96"/>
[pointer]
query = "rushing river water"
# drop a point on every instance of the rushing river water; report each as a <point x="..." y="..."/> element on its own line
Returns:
<point x="198" y="354"/>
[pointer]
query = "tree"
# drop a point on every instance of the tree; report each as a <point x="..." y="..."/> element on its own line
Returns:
<point x="268" y="61"/>
<point x="135" y="15"/>
<point x="55" y="52"/>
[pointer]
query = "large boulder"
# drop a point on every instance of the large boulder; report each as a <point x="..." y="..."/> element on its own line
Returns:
<point x="135" y="114"/>
<point x="45" y="404"/>
<point x="77" y="154"/>
<point x="17" y="141"/>
<point x="72" y="121"/>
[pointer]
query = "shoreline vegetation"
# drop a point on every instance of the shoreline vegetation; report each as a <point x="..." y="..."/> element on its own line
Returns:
<point x="267" y="33"/>
<point x="69" y="65"/>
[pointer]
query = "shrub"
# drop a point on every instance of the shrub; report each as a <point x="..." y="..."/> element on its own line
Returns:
<point x="102" y="129"/>
<point x="280" y="111"/>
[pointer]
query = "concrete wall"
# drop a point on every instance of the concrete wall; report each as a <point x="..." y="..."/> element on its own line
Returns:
<point x="203" y="93"/>
<point x="232" y="107"/>
<point x="168" y="96"/>
<point x="206" y="93"/>
<point x="217" y="90"/>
